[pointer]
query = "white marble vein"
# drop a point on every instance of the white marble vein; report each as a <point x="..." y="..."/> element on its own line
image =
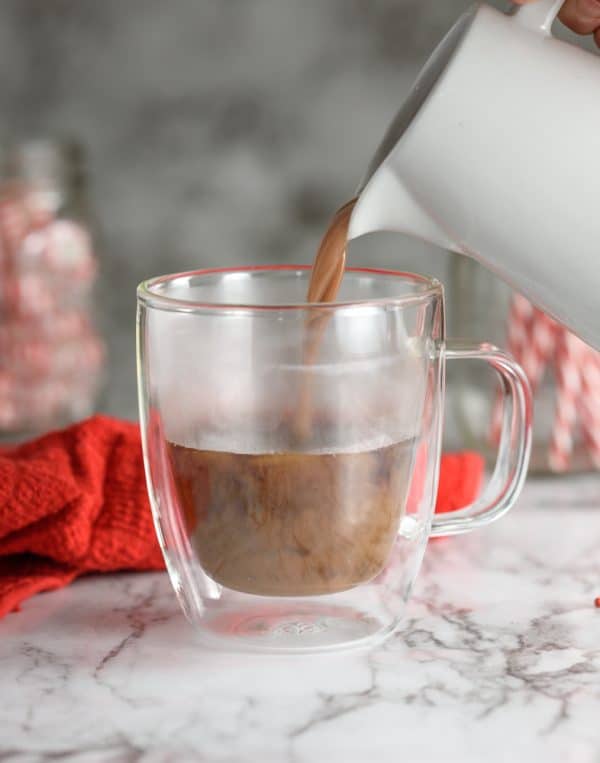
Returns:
<point x="498" y="660"/>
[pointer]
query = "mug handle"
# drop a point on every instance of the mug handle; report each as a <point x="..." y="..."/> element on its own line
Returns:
<point x="539" y="16"/>
<point x="515" y="443"/>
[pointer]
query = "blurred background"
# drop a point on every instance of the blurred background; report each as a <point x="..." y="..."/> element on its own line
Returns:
<point x="213" y="131"/>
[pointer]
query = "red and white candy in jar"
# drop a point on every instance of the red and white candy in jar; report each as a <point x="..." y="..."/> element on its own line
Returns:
<point x="51" y="354"/>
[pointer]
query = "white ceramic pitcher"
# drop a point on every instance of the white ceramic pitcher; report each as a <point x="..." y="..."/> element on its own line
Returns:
<point x="496" y="154"/>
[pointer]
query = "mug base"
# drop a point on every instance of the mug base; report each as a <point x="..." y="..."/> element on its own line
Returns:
<point x="299" y="626"/>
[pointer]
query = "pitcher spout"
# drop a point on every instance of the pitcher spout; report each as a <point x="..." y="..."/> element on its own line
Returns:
<point x="386" y="205"/>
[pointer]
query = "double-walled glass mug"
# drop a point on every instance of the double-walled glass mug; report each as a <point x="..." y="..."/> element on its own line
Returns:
<point x="292" y="451"/>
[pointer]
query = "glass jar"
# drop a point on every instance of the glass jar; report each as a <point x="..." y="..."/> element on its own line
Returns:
<point x="51" y="354"/>
<point x="566" y="432"/>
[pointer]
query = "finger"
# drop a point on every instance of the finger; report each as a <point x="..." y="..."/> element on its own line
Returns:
<point x="582" y="16"/>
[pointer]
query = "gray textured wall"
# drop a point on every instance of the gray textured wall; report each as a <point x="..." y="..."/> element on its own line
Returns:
<point x="218" y="131"/>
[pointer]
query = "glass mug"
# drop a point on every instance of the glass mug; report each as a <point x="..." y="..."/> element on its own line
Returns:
<point x="292" y="451"/>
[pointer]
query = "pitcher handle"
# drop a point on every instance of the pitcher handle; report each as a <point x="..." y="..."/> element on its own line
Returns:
<point x="539" y="16"/>
<point x="515" y="443"/>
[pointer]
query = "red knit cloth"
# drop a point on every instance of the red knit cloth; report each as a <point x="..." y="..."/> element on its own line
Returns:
<point x="461" y="475"/>
<point x="74" y="502"/>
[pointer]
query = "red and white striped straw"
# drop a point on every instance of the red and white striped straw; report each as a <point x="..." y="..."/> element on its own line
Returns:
<point x="589" y="403"/>
<point x="531" y="340"/>
<point x="569" y="390"/>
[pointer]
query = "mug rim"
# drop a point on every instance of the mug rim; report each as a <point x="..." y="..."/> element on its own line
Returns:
<point x="428" y="288"/>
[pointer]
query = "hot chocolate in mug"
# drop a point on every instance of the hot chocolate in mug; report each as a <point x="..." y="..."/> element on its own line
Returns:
<point x="293" y="491"/>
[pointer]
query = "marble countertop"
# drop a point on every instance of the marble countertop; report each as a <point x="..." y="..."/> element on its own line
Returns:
<point x="498" y="660"/>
